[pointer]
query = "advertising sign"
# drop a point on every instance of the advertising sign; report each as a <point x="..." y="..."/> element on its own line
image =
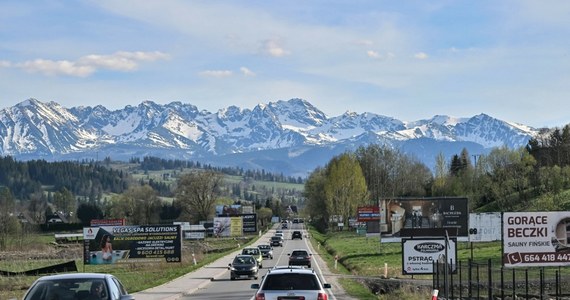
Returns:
<point x="222" y="226"/>
<point x="419" y="255"/>
<point x="236" y="226"/>
<point x="107" y="222"/>
<point x="484" y="227"/>
<point x="249" y="223"/>
<point x="368" y="213"/>
<point x="145" y="243"/>
<point x="536" y="239"/>
<point x="407" y="217"/>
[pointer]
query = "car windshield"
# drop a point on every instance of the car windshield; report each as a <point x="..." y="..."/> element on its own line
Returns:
<point x="291" y="281"/>
<point x="67" y="289"/>
<point x="243" y="260"/>
<point x="275" y="238"/>
<point x="299" y="253"/>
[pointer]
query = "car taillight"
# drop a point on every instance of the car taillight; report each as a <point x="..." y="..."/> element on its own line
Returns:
<point x="261" y="296"/>
<point x="322" y="296"/>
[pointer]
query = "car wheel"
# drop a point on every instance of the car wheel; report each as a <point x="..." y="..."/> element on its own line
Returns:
<point x="232" y="278"/>
<point x="309" y="265"/>
<point x="255" y="277"/>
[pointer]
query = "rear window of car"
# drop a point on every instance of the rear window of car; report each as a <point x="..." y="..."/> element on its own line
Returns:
<point x="291" y="281"/>
<point x="275" y="238"/>
<point x="252" y="251"/>
<point x="299" y="253"/>
<point x="264" y="247"/>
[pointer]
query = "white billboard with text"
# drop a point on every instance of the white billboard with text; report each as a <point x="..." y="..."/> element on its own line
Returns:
<point x="536" y="239"/>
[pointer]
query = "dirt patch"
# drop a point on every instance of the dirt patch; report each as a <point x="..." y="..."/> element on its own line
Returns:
<point x="67" y="252"/>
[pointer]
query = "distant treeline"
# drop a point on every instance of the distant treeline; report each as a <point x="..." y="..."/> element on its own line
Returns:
<point x="27" y="178"/>
<point x="149" y="163"/>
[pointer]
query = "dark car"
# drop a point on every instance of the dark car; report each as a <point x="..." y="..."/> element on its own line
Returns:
<point x="266" y="250"/>
<point x="276" y="241"/>
<point x="300" y="257"/>
<point x="78" y="286"/>
<point x="296" y="235"/>
<point x="243" y="266"/>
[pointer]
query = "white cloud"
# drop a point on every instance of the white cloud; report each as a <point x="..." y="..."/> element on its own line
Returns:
<point x="376" y="55"/>
<point x="274" y="48"/>
<point x="121" y="61"/>
<point x="5" y="64"/>
<point x="87" y="65"/>
<point x="247" y="72"/>
<point x="421" y="55"/>
<point x="59" y="67"/>
<point x="372" y="54"/>
<point x="217" y="73"/>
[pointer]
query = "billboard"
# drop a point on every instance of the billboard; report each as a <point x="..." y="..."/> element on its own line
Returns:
<point x="408" y="217"/>
<point x="536" y="239"/>
<point x="249" y="223"/>
<point x="484" y="227"/>
<point x="144" y="243"/>
<point x="419" y="255"/>
<point x="222" y="226"/>
<point x="368" y="213"/>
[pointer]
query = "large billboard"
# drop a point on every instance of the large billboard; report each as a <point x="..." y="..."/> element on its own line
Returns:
<point x="249" y="223"/>
<point x="536" y="239"/>
<point x="485" y="227"/>
<point x="419" y="255"/>
<point x="408" y="217"/>
<point x="145" y="243"/>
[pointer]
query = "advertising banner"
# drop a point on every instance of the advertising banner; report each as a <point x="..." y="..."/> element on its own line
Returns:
<point x="408" y="217"/>
<point x="249" y="223"/>
<point x="368" y="213"/>
<point x="236" y="226"/>
<point x="484" y="227"/>
<point x="145" y="243"/>
<point x="536" y="239"/>
<point x="419" y="255"/>
<point x="222" y="226"/>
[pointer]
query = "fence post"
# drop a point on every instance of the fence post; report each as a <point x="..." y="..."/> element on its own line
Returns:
<point x="502" y="283"/>
<point x="489" y="280"/>
<point x="451" y="277"/>
<point x="541" y="283"/>
<point x="469" y="278"/>
<point x="556" y="283"/>
<point x="460" y="283"/>
<point x="526" y="281"/>
<point x="478" y="281"/>
<point x="514" y="285"/>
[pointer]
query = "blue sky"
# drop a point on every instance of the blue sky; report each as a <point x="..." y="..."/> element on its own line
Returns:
<point x="405" y="59"/>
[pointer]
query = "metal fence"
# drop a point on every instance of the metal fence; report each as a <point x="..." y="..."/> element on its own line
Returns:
<point x="485" y="280"/>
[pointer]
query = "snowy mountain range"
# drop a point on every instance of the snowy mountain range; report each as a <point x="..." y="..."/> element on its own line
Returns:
<point x="291" y="137"/>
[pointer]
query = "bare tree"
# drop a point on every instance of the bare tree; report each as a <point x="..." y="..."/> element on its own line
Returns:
<point x="196" y="193"/>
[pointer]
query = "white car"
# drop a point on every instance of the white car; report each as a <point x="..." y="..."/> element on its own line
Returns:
<point x="291" y="283"/>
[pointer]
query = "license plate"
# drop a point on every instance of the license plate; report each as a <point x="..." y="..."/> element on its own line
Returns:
<point x="291" y="298"/>
<point x="300" y="257"/>
<point x="244" y="276"/>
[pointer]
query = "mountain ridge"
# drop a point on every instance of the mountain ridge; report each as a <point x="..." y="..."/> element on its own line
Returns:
<point x="292" y="130"/>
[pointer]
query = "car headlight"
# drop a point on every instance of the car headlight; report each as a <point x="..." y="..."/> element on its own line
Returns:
<point x="232" y="269"/>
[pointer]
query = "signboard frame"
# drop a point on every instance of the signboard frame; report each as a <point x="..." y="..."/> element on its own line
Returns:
<point x="420" y="254"/>
<point x="408" y="217"/>
<point x="135" y="243"/>
<point x="536" y="239"/>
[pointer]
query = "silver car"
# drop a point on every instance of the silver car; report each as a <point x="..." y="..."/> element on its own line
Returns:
<point x="291" y="283"/>
<point x="78" y="286"/>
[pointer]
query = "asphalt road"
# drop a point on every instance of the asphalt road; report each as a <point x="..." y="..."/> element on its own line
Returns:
<point x="213" y="280"/>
